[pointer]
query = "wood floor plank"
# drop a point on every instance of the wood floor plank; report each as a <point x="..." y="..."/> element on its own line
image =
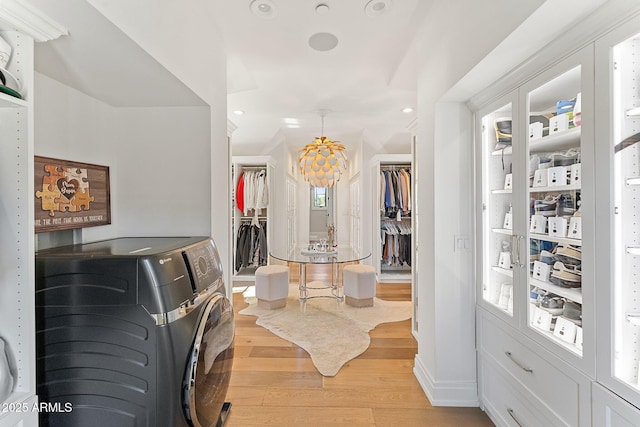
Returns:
<point x="259" y="416"/>
<point x="297" y="364"/>
<point x="431" y="417"/>
<point x="274" y="382"/>
<point x="360" y="397"/>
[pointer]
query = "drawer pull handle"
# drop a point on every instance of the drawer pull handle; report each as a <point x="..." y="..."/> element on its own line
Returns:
<point x="510" y="411"/>
<point x="510" y="356"/>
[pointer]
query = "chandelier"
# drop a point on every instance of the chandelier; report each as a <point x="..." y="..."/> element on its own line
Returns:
<point x="323" y="161"/>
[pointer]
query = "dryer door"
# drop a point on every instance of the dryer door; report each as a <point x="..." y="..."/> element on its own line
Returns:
<point x="209" y="367"/>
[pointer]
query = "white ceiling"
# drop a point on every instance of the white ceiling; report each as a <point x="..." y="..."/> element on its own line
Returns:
<point x="363" y="83"/>
<point x="273" y="74"/>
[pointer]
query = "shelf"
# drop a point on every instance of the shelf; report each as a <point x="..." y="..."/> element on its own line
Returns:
<point x="634" y="318"/>
<point x="506" y="311"/>
<point x="572" y="187"/>
<point x="509" y="191"/>
<point x="574" y="294"/>
<point x="569" y="346"/>
<point x="547" y="238"/>
<point x="633" y="181"/>
<point x="506" y="272"/>
<point x="562" y="140"/>
<point x="502" y="231"/>
<point x="11" y="101"/>
<point x="633" y="250"/>
<point x="633" y="112"/>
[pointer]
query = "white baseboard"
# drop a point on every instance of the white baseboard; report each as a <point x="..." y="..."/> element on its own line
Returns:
<point x="446" y="393"/>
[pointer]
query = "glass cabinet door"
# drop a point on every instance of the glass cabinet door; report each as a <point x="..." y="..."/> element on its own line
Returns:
<point x="496" y="127"/>
<point x="626" y="239"/>
<point x="555" y="215"/>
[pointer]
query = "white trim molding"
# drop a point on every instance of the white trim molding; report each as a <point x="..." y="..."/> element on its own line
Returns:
<point x="22" y="17"/>
<point x="446" y="393"/>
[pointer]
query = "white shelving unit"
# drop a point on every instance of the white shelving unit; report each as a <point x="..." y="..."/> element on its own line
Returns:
<point x="617" y="401"/>
<point x="507" y="249"/>
<point x="17" y="288"/>
<point x="388" y="273"/>
<point x="240" y="165"/>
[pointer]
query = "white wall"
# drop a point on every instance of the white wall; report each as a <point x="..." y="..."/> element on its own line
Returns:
<point x="158" y="159"/>
<point x="194" y="52"/>
<point x="445" y="364"/>
<point x="460" y="65"/>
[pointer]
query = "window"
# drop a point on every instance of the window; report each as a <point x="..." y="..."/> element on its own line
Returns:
<point x="319" y="197"/>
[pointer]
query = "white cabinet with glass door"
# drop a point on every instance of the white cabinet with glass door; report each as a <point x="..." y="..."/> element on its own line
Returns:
<point x="558" y="239"/>
<point x="618" y="205"/>
<point x="535" y="242"/>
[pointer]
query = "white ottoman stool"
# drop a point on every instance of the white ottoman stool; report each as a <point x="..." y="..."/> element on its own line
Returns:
<point x="359" y="284"/>
<point x="272" y="286"/>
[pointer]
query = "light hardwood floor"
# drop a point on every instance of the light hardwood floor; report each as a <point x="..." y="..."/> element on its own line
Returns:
<point x="274" y="382"/>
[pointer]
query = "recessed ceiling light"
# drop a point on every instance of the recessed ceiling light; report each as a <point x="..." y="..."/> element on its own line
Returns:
<point x="322" y="9"/>
<point x="323" y="41"/>
<point x="238" y="112"/>
<point x="263" y="8"/>
<point x="378" y="7"/>
<point x="407" y="110"/>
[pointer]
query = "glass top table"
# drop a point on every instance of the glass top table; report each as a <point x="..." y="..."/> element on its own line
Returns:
<point x="302" y="255"/>
<point x="335" y="257"/>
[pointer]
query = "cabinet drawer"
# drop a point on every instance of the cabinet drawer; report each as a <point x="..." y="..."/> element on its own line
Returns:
<point x="510" y="402"/>
<point x="609" y="410"/>
<point x="550" y="383"/>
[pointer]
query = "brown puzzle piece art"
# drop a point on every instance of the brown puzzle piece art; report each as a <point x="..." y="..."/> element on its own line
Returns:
<point x="82" y="199"/>
<point x="55" y="174"/>
<point x="48" y="197"/>
<point x="80" y="175"/>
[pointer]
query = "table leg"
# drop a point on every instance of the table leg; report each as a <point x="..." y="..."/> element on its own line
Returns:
<point x="337" y="284"/>
<point x="302" y="287"/>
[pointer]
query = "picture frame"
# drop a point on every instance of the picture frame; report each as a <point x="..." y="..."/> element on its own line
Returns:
<point x="70" y="195"/>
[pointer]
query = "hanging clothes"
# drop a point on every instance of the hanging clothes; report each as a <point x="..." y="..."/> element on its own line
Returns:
<point x="251" y="246"/>
<point x="240" y="193"/>
<point x="395" y="240"/>
<point x="395" y="193"/>
<point x="255" y="194"/>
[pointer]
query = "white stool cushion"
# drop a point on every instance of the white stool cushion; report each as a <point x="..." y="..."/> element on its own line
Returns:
<point x="359" y="281"/>
<point x="272" y="282"/>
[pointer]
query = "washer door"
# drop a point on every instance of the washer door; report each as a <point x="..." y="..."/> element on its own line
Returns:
<point x="209" y="367"/>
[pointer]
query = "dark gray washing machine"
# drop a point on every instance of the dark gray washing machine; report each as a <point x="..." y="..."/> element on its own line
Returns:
<point x="133" y="332"/>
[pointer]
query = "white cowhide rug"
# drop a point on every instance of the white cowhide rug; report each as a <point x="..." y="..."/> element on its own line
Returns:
<point x="331" y="335"/>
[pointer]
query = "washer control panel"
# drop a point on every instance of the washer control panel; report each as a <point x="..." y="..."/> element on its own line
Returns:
<point x="204" y="263"/>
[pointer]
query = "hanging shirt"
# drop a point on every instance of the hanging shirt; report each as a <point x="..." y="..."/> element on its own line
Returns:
<point x="240" y="193"/>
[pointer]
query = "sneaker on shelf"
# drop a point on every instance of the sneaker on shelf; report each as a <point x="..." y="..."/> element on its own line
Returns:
<point x="552" y="303"/>
<point x="564" y="276"/>
<point x="567" y="158"/>
<point x="573" y="311"/>
<point x="547" y="257"/>
<point x="547" y="206"/>
<point x="566" y="205"/>
<point x="568" y="254"/>
<point x="502" y="127"/>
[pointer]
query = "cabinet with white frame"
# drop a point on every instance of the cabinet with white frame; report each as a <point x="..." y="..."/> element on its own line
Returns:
<point x="618" y="234"/>
<point x="391" y="268"/>
<point x="535" y="254"/>
<point x="17" y="291"/>
<point x="21" y="27"/>
<point x="260" y="217"/>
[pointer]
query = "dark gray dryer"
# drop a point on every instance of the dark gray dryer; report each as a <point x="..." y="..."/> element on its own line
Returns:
<point x="134" y="332"/>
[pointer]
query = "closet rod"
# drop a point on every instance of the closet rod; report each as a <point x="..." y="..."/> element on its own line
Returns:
<point x="253" y="168"/>
<point x="394" y="167"/>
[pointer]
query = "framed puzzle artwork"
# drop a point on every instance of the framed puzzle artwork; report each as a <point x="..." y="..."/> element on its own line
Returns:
<point x="70" y="195"/>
